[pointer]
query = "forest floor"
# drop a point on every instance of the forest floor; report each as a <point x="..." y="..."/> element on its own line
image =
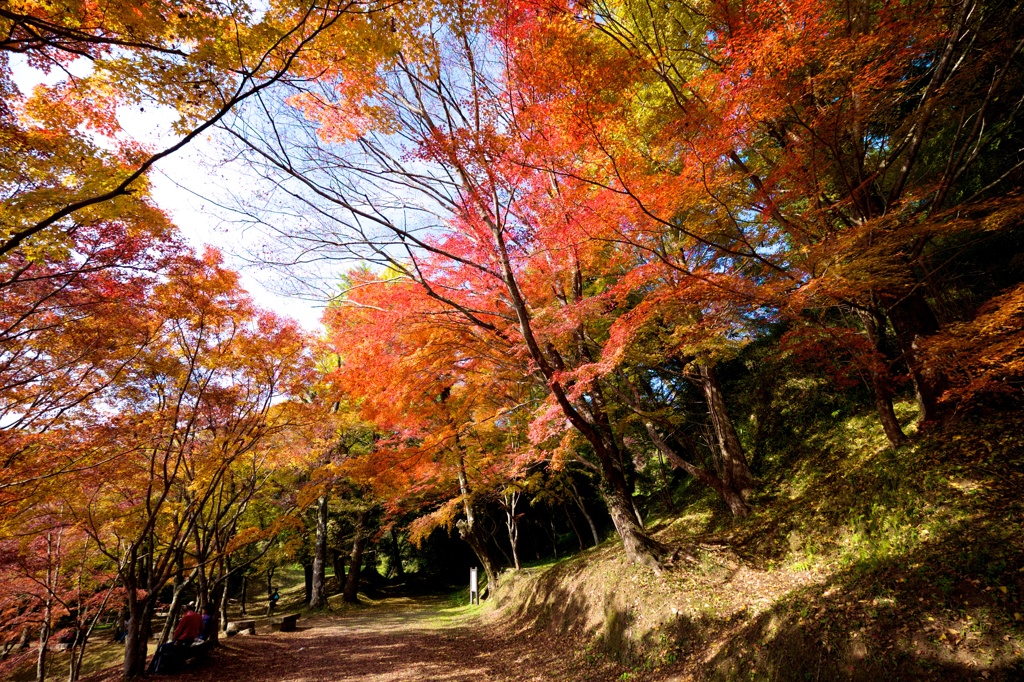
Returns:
<point x="396" y="638"/>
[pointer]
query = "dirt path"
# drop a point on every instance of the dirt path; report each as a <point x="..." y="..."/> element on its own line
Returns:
<point x="397" y="639"/>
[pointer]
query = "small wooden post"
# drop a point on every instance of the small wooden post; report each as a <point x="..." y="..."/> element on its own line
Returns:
<point x="474" y="591"/>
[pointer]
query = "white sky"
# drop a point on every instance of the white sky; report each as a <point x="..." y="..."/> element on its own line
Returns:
<point x="183" y="185"/>
<point x="186" y="186"/>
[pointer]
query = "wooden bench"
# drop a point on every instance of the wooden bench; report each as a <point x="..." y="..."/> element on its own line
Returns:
<point x="197" y="652"/>
<point x="171" y="659"/>
<point x="284" y="623"/>
<point x="242" y="627"/>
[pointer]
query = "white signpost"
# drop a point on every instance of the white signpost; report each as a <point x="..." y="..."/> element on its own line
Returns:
<point x="474" y="591"/>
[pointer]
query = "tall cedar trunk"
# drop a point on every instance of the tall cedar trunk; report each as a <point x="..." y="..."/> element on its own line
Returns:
<point x="913" y="320"/>
<point x="44" y="640"/>
<point x="737" y="483"/>
<point x="351" y="592"/>
<point x="140" y="614"/>
<point x="307" y="573"/>
<point x="318" y="598"/>
<point x="881" y="380"/>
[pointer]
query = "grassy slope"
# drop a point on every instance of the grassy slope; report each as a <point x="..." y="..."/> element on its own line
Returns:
<point x="859" y="563"/>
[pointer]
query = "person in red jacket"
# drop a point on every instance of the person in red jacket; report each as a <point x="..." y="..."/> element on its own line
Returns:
<point x="170" y="656"/>
<point x="189" y="627"/>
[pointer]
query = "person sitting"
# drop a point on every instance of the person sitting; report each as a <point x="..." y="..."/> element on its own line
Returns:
<point x="189" y="627"/>
<point x="209" y="623"/>
<point x="170" y="656"/>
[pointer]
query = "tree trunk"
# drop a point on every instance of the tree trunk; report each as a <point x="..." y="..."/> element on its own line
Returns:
<point x="318" y="598"/>
<point x="202" y="580"/>
<point x="20" y="644"/>
<point x="513" y="537"/>
<point x="221" y="612"/>
<point x="351" y="593"/>
<point x="635" y="542"/>
<point x="737" y="482"/>
<point x="732" y="498"/>
<point x="469" y="530"/>
<point x="881" y="380"/>
<point x="44" y="639"/>
<point x="586" y="514"/>
<point x="180" y="583"/>
<point x="639" y="547"/>
<point x="913" y="320"/>
<point x="510" y="501"/>
<point x="83" y="631"/>
<point x="75" y="662"/>
<point x="339" y="567"/>
<point x="23" y="641"/>
<point x="396" y="552"/>
<point x="636" y="511"/>
<point x="137" y="640"/>
<point x="245" y="589"/>
<point x="572" y="524"/>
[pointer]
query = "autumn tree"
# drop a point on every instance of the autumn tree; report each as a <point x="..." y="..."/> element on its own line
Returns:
<point x="199" y="61"/>
<point x="427" y="405"/>
<point x="434" y="101"/>
<point x="819" y="150"/>
<point x="191" y="410"/>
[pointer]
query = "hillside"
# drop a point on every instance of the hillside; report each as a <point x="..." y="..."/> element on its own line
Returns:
<point x="859" y="562"/>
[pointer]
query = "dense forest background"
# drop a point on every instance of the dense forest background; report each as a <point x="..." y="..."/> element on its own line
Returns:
<point x="595" y="264"/>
